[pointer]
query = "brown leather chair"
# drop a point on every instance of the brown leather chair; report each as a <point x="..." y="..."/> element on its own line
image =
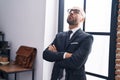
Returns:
<point x="25" y="57"/>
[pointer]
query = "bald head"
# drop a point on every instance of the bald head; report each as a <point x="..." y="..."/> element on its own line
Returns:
<point x="81" y="11"/>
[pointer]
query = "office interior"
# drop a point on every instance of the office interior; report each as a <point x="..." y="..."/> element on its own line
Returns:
<point x="36" y="22"/>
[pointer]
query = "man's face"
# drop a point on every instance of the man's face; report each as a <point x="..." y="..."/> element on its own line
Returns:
<point x="74" y="17"/>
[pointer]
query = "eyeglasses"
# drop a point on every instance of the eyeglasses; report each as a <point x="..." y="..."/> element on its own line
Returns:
<point x="76" y="11"/>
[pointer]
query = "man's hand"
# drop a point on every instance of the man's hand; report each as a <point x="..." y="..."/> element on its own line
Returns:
<point x="52" y="48"/>
<point x="68" y="55"/>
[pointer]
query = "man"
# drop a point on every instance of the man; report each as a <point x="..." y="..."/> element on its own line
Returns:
<point x="70" y="52"/>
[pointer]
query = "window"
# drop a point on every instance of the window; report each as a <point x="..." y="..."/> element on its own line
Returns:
<point x="101" y="22"/>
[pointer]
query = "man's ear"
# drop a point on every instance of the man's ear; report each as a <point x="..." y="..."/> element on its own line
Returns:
<point x="82" y="19"/>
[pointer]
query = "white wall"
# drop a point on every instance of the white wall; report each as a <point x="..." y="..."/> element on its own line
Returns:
<point x="24" y="23"/>
<point x="50" y="31"/>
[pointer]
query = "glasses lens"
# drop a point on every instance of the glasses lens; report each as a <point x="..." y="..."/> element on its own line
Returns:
<point x="73" y="10"/>
<point x="68" y="10"/>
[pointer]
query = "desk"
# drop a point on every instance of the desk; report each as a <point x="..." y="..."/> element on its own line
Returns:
<point x="14" y="69"/>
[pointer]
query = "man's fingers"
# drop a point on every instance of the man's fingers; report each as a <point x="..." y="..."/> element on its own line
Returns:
<point x="68" y="55"/>
<point x="54" y="47"/>
<point x="50" y="48"/>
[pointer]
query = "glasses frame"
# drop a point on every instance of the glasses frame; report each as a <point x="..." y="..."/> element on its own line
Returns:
<point x="76" y="11"/>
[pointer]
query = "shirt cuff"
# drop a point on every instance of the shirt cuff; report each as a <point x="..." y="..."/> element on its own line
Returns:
<point x="64" y="55"/>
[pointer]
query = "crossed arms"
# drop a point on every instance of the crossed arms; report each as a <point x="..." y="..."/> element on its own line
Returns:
<point x="54" y="49"/>
<point x="71" y="60"/>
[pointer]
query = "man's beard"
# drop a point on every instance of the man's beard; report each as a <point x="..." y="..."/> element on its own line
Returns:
<point x="72" y="22"/>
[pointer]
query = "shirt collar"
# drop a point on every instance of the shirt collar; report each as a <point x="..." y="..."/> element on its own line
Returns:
<point x="75" y="29"/>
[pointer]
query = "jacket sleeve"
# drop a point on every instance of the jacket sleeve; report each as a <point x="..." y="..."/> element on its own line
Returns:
<point x="52" y="56"/>
<point x="80" y="56"/>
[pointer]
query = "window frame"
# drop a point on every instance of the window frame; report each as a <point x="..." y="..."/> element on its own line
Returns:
<point x="112" y="34"/>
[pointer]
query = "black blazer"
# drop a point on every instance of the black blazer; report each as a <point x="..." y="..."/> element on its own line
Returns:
<point x="80" y="47"/>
